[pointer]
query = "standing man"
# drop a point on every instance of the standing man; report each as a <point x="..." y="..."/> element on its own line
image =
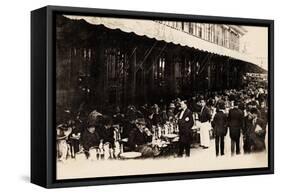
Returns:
<point x="205" y="118"/>
<point x="263" y="112"/>
<point x="220" y="128"/>
<point x="247" y="129"/>
<point x="185" y="123"/>
<point x="235" y="121"/>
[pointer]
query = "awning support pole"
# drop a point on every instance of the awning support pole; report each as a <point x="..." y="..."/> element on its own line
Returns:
<point x="146" y="56"/>
<point x="208" y="57"/>
<point x="158" y="56"/>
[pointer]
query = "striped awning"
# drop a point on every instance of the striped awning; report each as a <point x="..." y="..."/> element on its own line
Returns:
<point x="161" y="32"/>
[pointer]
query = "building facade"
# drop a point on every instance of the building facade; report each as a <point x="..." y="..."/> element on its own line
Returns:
<point x="227" y="36"/>
<point x="98" y="67"/>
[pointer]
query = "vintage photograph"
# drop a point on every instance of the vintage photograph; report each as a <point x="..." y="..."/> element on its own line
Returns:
<point x="142" y="96"/>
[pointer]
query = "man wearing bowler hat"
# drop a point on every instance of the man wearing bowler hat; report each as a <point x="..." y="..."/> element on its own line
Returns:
<point x="235" y="122"/>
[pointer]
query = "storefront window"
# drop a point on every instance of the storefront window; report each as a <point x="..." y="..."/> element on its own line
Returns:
<point x="160" y="69"/>
<point x="115" y="63"/>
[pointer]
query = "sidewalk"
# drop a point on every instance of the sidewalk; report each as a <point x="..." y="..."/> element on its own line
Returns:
<point x="200" y="160"/>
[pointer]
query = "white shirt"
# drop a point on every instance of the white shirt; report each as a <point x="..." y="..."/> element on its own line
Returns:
<point x="182" y="112"/>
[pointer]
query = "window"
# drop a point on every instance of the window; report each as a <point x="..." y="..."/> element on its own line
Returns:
<point x="226" y="38"/>
<point x="115" y="61"/>
<point x="200" y="30"/>
<point x="212" y="32"/>
<point x="175" y="25"/>
<point x="179" y="25"/>
<point x="159" y="72"/>
<point x="85" y="53"/>
<point x="237" y="42"/>
<point x="216" y="34"/>
<point x="178" y="70"/>
<point x="170" y="24"/>
<point x="186" y="27"/>
<point x="182" y="26"/>
<point x="209" y="32"/>
<point x="232" y="40"/>
<point x="191" y="29"/>
<point x="205" y="31"/>
<point x="220" y="35"/>
<point x="195" y="32"/>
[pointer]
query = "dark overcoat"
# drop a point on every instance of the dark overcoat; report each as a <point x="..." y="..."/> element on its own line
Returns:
<point x="185" y="124"/>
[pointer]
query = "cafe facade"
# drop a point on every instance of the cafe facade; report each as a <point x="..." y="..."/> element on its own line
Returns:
<point x="117" y="62"/>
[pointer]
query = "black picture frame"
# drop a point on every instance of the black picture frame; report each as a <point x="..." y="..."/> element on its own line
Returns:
<point x="43" y="81"/>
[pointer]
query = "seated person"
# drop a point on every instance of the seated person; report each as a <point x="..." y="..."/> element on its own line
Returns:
<point x="106" y="130"/>
<point x="63" y="132"/>
<point x="74" y="138"/>
<point x="128" y="125"/>
<point x="140" y="137"/>
<point x="90" y="139"/>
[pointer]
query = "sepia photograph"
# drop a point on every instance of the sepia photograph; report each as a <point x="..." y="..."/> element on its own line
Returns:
<point x="137" y="96"/>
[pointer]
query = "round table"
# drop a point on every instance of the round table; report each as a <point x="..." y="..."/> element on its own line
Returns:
<point x="130" y="155"/>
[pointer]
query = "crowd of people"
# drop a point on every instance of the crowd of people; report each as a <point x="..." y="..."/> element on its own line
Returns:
<point x="171" y="127"/>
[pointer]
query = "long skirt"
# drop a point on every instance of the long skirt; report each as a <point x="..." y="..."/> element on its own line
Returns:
<point x="204" y="134"/>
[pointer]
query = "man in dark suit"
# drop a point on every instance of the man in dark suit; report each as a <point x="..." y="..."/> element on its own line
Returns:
<point x="247" y="129"/>
<point x="185" y="123"/>
<point x="263" y="112"/>
<point x="219" y="124"/>
<point x="235" y="121"/>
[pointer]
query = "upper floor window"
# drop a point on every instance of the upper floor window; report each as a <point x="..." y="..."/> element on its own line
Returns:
<point x="191" y="28"/>
<point x="200" y="30"/>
